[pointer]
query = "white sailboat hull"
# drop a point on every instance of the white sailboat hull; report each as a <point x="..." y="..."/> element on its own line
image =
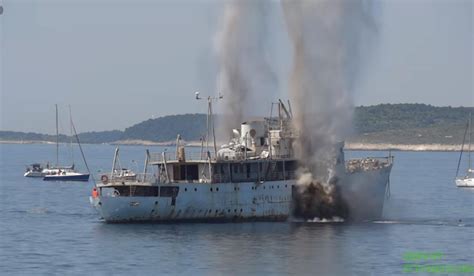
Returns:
<point x="34" y="174"/>
<point x="465" y="182"/>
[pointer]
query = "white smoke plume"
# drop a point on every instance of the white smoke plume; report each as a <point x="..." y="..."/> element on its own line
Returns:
<point x="326" y="39"/>
<point x="246" y="77"/>
<point x="325" y="43"/>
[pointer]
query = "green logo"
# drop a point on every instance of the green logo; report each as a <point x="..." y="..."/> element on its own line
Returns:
<point x="427" y="262"/>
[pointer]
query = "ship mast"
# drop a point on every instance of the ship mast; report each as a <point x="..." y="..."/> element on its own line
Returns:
<point x="210" y="121"/>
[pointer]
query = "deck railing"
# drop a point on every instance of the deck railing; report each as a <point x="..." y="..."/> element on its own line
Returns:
<point x="157" y="157"/>
<point x="110" y="178"/>
<point x="368" y="163"/>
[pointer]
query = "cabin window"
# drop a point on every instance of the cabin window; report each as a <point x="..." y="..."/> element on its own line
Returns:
<point x="236" y="169"/>
<point x="248" y="170"/>
<point x="137" y="191"/>
<point x="290" y="165"/>
<point x="192" y="172"/>
<point x="279" y="166"/>
<point x="262" y="141"/>
<point x="186" y="172"/>
<point x="183" y="172"/>
<point x="177" y="174"/>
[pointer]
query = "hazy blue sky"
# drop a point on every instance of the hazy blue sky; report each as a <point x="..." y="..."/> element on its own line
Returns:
<point x="121" y="62"/>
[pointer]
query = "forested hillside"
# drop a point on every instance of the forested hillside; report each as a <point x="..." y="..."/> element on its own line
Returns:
<point x="384" y="123"/>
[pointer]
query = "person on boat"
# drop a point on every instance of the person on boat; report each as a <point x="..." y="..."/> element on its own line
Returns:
<point x="95" y="193"/>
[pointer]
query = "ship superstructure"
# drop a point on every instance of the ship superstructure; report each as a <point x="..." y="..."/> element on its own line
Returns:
<point x="253" y="177"/>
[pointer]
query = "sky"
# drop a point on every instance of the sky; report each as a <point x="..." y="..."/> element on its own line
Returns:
<point x="118" y="63"/>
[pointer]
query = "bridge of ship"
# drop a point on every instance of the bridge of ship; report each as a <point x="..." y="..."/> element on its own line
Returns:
<point x="196" y="169"/>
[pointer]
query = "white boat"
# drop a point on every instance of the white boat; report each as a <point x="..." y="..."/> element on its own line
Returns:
<point x="66" y="173"/>
<point x="57" y="172"/>
<point x="35" y="170"/>
<point x="466" y="181"/>
<point x="251" y="178"/>
<point x="118" y="173"/>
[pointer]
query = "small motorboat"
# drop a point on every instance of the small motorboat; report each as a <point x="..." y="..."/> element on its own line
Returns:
<point x="35" y="170"/>
<point x="124" y="174"/>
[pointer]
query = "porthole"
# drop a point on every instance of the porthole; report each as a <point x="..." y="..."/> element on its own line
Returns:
<point x="217" y="189"/>
<point x="185" y="189"/>
<point x="195" y="189"/>
<point x="211" y="189"/>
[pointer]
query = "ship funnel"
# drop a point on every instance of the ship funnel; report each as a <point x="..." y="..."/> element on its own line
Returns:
<point x="236" y="133"/>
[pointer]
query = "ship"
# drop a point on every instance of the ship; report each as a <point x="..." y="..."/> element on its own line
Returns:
<point x="251" y="178"/>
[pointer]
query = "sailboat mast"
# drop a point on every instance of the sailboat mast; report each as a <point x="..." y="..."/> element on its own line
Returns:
<point x="70" y="141"/>
<point x="470" y="134"/>
<point x="57" y="138"/>
<point x="462" y="148"/>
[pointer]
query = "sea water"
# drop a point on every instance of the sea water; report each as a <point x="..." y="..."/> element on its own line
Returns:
<point x="50" y="228"/>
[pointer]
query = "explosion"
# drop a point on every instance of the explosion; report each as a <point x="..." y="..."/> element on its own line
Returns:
<point x="326" y="41"/>
<point x="325" y="38"/>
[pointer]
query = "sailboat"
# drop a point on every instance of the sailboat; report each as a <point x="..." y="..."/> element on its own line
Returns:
<point x="57" y="172"/>
<point x="466" y="181"/>
<point x="39" y="170"/>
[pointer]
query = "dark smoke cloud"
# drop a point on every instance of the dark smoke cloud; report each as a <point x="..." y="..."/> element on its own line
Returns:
<point x="326" y="37"/>
<point x="246" y="77"/>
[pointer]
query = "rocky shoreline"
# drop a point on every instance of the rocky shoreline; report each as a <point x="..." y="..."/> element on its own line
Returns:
<point x="348" y="145"/>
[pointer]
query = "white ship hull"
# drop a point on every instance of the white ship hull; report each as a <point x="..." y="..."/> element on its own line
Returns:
<point x="226" y="201"/>
<point x="365" y="193"/>
<point x="243" y="201"/>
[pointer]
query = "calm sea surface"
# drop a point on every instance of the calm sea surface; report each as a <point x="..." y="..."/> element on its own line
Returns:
<point x="50" y="228"/>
